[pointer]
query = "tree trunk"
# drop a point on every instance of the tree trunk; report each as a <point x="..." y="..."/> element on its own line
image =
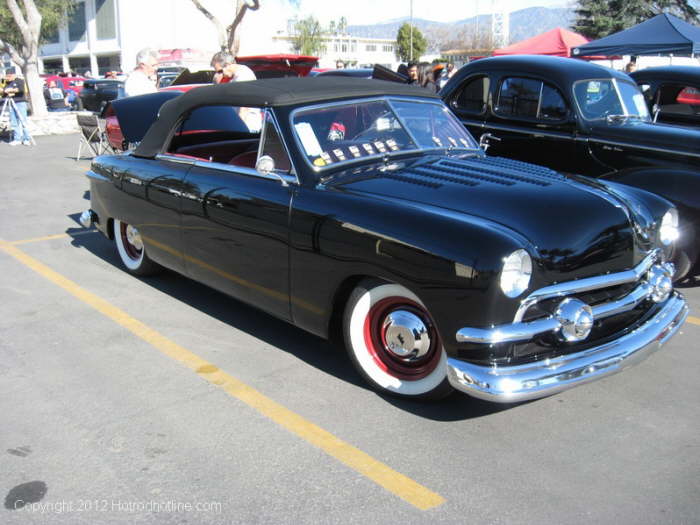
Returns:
<point x="33" y="84"/>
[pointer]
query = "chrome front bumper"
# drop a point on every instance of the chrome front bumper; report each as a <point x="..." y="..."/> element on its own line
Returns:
<point x="507" y="384"/>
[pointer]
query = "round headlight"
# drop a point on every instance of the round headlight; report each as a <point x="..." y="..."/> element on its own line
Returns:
<point x="516" y="272"/>
<point x="668" y="231"/>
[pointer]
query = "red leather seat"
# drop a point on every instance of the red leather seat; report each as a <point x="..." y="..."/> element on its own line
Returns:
<point x="246" y="159"/>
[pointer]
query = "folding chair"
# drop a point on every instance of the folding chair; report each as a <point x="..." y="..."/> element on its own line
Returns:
<point x="92" y="134"/>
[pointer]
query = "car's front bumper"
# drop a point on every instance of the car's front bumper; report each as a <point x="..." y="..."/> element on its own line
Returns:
<point x="507" y="384"/>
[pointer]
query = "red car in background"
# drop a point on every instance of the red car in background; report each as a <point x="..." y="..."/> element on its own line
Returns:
<point x="264" y="66"/>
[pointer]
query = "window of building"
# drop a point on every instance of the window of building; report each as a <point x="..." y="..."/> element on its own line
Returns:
<point x="108" y="63"/>
<point x="105" y="20"/>
<point x="53" y="66"/>
<point x="76" y="23"/>
<point x="370" y="47"/>
<point x="50" y="37"/>
<point x="344" y="48"/>
<point x="387" y="48"/>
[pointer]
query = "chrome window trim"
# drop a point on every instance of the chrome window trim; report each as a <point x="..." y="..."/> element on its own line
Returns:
<point x="242" y="170"/>
<point x="349" y="102"/>
<point x="587" y="284"/>
<point x="174" y="158"/>
<point x="292" y="172"/>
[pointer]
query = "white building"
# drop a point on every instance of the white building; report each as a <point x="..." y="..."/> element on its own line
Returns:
<point x="354" y="51"/>
<point x="105" y="35"/>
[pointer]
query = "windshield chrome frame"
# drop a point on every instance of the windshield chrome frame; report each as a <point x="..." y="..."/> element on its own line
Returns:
<point x="388" y="99"/>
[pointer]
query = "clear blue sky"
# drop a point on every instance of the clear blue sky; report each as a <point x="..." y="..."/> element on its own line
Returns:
<point x="373" y="11"/>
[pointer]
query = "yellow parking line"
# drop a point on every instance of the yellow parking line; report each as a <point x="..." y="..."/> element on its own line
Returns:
<point x="694" y="320"/>
<point x="50" y="237"/>
<point x="393" y="481"/>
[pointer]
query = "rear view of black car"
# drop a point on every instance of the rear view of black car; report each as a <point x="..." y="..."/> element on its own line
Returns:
<point x="97" y="93"/>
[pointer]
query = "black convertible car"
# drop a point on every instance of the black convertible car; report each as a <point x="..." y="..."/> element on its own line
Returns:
<point x="364" y="209"/>
<point x="577" y="117"/>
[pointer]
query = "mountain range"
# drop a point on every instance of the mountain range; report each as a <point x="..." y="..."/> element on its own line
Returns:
<point x="472" y="32"/>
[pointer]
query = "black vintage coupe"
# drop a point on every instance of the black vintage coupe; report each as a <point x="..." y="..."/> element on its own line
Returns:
<point x="364" y="209"/>
<point x="577" y="117"/>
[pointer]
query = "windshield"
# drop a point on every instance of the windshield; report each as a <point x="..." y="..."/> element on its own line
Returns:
<point x="604" y="98"/>
<point x="342" y="133"/>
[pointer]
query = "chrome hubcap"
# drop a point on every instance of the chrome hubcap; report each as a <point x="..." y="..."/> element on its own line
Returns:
<point x="406" y="336"/>
<point x="134" y="237"/>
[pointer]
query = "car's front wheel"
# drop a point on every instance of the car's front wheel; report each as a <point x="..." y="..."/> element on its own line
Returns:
<point x="132" y="251"/>
<point x="393" y="342"/>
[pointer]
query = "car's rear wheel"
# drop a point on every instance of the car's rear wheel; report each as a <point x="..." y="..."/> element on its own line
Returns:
<point x="132" y="251"/>
<point x="393" y="342"/>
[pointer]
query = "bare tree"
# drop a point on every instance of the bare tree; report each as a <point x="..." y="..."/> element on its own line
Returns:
<point x="229" y="39"/>
<point x="24" y="49"/>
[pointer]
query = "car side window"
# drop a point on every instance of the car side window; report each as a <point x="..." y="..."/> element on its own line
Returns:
<point x="223" y="134"/>
<point x="679" y="99"/>
<point x="273" y="146"/>
<point x="474" y="96"/>
<point x="530" y="99"/>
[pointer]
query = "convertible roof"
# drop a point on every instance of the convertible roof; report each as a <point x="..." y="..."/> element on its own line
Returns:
<point x="268" y="92"/>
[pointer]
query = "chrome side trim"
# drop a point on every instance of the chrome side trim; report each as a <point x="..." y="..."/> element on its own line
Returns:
<point x="508" y="384"/>
<point x="586" y="285"/>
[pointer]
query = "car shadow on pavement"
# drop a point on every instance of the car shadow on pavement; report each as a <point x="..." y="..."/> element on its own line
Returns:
<point x="311" y="349"/>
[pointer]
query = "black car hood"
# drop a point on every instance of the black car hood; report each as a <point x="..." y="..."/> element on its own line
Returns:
<point x="569" y="224"/>
<point x="662" y="136"/>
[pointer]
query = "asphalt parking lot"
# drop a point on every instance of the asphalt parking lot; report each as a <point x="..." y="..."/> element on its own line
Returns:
<point x="162" y="401"/>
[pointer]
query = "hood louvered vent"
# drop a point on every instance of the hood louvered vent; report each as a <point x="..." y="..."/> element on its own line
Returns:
<point x="503" y="172"/>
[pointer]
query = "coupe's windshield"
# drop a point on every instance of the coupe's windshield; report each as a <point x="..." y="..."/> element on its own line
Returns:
<point x="338" y="133"/>
<point x="609" y="99"/>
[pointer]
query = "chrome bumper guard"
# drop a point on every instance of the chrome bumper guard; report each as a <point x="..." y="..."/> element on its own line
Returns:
<point x="88" y="218"/>
<point x="507" y="384"/>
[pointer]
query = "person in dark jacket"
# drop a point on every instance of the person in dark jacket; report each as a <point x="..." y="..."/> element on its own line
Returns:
<point x="426" y="77"/>
<point x="56" y="98"/>
<point x="14" y="90"/>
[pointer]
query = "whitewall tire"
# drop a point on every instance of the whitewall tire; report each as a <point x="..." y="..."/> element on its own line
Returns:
<point x="393" y="342"/>
<point x="132" y="251"/>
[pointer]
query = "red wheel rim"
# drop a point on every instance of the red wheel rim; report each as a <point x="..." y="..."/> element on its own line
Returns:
<point x="132" y="251"/>
<point x="388" y="361"/>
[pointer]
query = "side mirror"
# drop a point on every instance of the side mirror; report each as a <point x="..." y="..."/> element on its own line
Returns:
<point x="266" y="166"/>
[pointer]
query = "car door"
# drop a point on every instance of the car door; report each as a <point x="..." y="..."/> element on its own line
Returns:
<point x="235" y="223"/>
<point x="530" y="120"/>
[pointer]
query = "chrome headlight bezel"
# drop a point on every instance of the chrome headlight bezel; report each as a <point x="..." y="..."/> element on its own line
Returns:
<point x="668" y="229"/>
<point x="516" y="273"/>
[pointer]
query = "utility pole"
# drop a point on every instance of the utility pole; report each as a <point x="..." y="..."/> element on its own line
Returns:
<point x="410" y="52"/>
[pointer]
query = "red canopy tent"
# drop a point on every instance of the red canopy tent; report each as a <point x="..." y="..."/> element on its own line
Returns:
<point x="557" y="42"/>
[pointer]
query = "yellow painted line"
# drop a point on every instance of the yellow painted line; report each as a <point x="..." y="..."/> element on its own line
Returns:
<point x="380" y="473"/>
<point x="694" y="320"/>
<point x="50" y="237"/>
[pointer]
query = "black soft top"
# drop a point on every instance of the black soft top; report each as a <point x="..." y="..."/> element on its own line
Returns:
<point x="272" y="92"/>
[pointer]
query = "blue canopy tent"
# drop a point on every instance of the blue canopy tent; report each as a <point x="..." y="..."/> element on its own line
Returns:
<point x="662" y="35"/>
